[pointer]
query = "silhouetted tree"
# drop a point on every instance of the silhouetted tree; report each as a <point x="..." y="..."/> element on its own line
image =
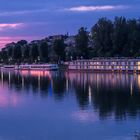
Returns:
<point x="133" y="42"/>
<point x="82" y="42"/>
<point x="4" y="56"/>
<point x="26" y="53"/>
<point x="102" y="37"/>
<point x="44" y="51"/>
<point x="120" y="37"/>
<point x="34" y="53"/>
<point x="17" y="54"/>
<point x="59" y="49"/>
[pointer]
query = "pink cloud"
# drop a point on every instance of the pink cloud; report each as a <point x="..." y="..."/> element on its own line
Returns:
<point x="5" y="40"/>
<point x="10" y="25"/>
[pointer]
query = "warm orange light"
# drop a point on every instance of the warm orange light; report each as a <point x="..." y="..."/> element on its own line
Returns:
<point x="40" y="73"/>
<point x="25" y="72"/>
<point x="36" y="73"/>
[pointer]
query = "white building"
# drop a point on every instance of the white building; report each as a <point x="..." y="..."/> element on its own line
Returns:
<point x="108" y="65"/>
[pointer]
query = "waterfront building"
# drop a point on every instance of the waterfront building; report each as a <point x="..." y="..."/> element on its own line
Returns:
<point x="107" y="65"/>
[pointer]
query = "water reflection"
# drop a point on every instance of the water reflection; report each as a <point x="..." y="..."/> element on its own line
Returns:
<point x="109" y="95"/>
<point x="6" y="101"/>
<point x="115" y="95"/>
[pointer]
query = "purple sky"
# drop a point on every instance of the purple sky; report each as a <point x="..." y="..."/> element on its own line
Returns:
<point x="35" y="19"/>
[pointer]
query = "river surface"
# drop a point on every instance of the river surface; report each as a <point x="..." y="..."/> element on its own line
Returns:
<point x="39" y="105"/>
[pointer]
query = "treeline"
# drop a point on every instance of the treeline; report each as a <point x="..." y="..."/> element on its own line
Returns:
<point x="118" y="38"/>
<point x="107" y="38"/>
<point x="38" y="51"/>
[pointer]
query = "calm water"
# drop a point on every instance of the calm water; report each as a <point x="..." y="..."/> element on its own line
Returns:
<point x="68" y="106"/>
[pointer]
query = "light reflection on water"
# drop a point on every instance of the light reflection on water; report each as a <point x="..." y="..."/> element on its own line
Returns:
<point x="62" y="105"/>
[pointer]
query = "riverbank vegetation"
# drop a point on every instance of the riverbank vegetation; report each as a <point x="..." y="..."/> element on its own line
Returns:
<point x="107" y="38"/>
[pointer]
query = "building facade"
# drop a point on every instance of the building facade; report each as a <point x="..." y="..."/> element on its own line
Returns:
<point x="108" y="65"/>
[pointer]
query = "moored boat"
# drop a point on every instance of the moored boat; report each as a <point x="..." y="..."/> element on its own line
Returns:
<point x="8" y="67"/>
<point x="37" y="67"/>
<point x="31" y="67"/>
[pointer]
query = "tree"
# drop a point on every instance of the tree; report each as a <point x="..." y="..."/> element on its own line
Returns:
<point x="26" y="53"/>
<point x="18" y="52"/>
<point x="120" y="37"/>
<point x="59" y="49"/>
<point x="70" y="53"/>
<point x="82" y="42"/>
<point x="10" y="53"/>
<point x="34" y="53"/>
<point x="4" y="56"/>
<point x="43" y="50"/>
<point x="102" y="37"/>
<point x="133" y="44"/>
<point x="22" y="42"/>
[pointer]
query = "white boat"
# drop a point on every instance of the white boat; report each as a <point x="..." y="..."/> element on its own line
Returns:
<point x="37" y="67"/>
<point x="8" y="67"/>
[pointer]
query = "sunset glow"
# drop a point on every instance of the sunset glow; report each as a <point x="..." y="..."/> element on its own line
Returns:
<point x="5" y="40"/>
